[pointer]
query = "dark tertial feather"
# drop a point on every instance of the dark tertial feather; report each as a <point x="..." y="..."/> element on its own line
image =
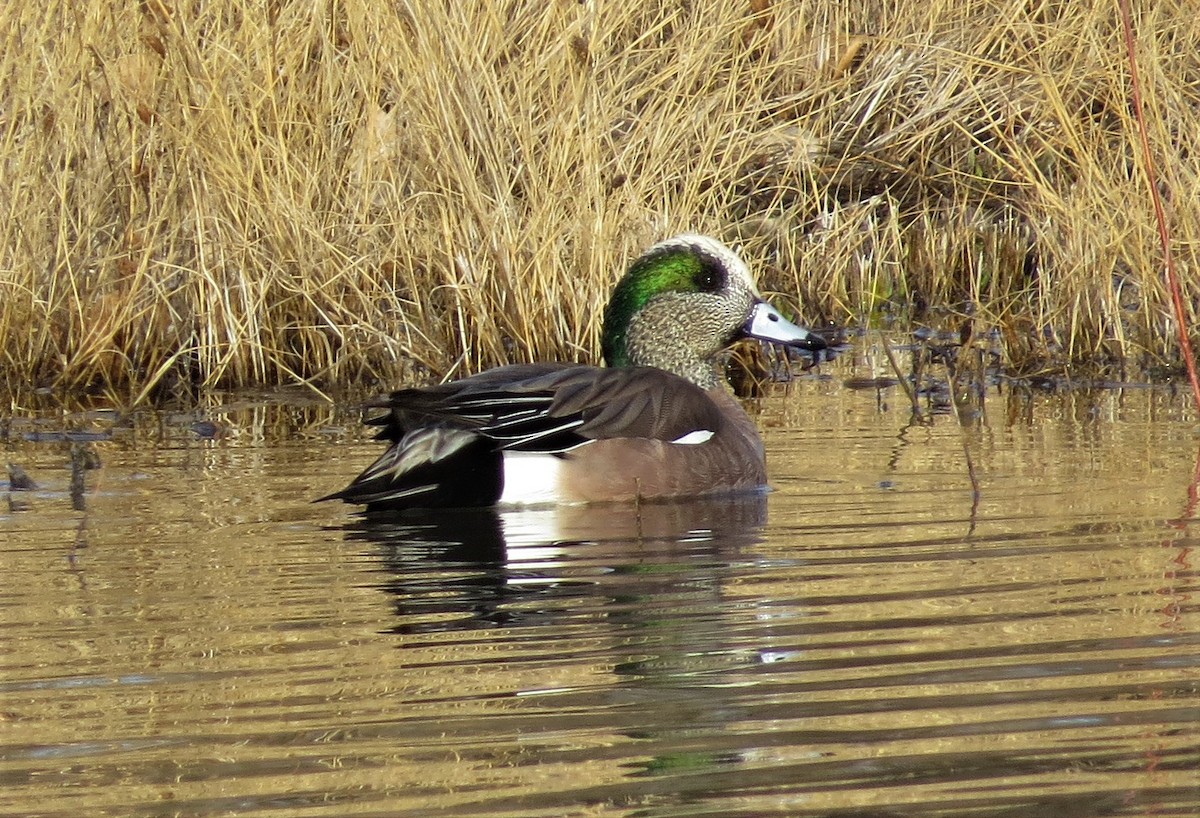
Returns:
<point x="555" y="407"/>
<point x="432" y="466"/>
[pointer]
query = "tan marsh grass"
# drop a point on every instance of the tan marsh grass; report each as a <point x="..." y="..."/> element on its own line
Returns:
<point x="219" y="193"/>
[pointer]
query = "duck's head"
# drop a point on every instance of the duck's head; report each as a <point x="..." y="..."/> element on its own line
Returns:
<point x="682" y="302"/>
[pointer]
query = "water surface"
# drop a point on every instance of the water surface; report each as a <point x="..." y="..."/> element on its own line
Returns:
<point x="992" y="617"/>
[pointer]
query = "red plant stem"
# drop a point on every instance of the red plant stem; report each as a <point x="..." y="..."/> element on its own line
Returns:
<point x="1164" y="237"/>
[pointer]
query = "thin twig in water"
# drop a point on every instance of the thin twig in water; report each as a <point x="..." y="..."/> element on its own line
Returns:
<point x="976" y="492"/>
<point x="900" y="376"/>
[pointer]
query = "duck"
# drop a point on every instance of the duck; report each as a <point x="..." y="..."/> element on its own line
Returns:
<point x="657" y="422"/>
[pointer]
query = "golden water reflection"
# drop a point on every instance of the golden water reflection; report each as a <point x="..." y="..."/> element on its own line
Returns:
<point x="993" y="617"/>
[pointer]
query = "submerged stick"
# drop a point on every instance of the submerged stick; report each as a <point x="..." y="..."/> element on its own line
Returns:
<point x="909" y="389"/>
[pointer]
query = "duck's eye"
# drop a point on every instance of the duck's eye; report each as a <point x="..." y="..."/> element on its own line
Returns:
<point x="710" y="277"/>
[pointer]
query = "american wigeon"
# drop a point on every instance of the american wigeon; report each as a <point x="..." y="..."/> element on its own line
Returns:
<point x="657" y="422"/>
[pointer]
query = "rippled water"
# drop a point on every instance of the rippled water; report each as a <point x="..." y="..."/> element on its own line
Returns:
<point x="186" y="635"/>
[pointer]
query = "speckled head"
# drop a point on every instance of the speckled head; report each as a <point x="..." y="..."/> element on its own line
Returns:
<point x="682" y="302"/>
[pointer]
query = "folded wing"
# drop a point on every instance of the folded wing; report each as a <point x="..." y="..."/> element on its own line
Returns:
<point x="448" y="440"/>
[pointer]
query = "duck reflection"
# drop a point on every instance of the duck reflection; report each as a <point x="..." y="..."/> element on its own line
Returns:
<point x="489" y="568"/>
<point x="633" y="621"/>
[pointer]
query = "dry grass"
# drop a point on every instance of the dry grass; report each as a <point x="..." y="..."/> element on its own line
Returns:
<point x="227" y="193"/>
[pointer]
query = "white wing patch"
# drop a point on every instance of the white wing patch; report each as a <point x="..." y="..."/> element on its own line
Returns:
<point x="694" y="438"/>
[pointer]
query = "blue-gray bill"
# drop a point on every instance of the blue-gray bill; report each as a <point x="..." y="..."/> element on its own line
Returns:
<point x="766" y="324"/>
